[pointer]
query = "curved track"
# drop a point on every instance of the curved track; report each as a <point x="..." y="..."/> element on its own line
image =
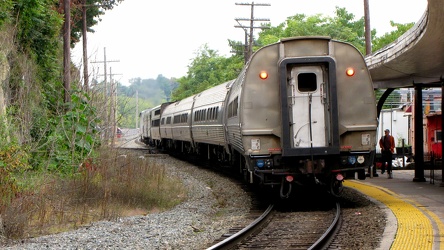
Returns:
<point x="238" y="237"/>
<point x="286" y="230"/>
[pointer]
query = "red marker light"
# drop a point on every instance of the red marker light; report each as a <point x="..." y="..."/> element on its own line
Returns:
<point x="350" y="72"/>
<point x="289" y="178"/>
<point x="263" y="75"/>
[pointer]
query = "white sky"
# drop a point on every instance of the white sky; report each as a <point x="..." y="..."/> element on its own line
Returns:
<point x="150" y="37"/>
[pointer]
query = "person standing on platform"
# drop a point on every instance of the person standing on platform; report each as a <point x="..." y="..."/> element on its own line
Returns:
<point x="387" y="145"/>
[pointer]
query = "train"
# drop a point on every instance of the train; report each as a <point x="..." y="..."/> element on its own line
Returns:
<point x="301" y="113"/>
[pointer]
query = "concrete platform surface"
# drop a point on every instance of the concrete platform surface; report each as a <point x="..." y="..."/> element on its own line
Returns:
<point x="415" y="209"/>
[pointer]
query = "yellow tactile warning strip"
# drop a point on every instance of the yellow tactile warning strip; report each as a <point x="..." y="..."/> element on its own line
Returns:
<point x="439" y="224"/>
<point x="415" y="230"/>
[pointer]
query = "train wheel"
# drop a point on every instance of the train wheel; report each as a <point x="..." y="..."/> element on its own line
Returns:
<point x="336" y="187"/>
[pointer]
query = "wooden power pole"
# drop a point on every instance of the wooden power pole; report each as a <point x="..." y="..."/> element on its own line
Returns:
<point x="368" y="33"/>
<point x="248" y="47"/>
<point x="85" y="45"/>
<point x="67" y="51"/>
<point x="108" y="117"/>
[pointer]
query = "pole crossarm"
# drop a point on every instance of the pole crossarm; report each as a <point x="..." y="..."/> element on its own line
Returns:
<point x="255" y="4"/>
<point x="249" y="19"/>
<point x="249" y="37"/>
<point x="254" y="27"/>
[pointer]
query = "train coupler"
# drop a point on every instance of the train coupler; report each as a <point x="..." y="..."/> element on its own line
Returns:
<point x="287" y="181"/>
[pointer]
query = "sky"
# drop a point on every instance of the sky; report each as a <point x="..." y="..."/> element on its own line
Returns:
<point x="147" y="38"/>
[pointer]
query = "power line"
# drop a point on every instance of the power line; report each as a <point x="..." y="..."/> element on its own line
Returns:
<point x="109" y="118"/>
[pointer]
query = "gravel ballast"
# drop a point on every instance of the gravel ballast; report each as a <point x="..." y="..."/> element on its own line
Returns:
<point x="199" y="221"/>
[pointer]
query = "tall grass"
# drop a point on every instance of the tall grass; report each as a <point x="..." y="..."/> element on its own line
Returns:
<point x="114" y="185"/>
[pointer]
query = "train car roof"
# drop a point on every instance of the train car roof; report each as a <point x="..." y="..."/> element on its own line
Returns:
<point x="305" y="37"/>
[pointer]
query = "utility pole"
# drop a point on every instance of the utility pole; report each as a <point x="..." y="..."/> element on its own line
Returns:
<point x="137" y="109"/>
<point x="112" y="104"/>
<point x="111" y="108"/>
<point x="104" y="68"/>
<point x="248" y="47"/>
<point x="67" y="51"/>
<point x="85" y="44"/>
<point x="108" y="119"/>
<point x="368" y="33"/>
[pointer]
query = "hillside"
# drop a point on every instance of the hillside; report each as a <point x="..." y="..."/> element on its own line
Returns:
<point x="149" y="93"/>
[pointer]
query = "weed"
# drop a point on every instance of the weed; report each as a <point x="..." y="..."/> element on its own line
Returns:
<point x="113" y="185"/>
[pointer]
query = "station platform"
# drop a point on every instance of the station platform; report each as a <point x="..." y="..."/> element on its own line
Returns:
<point x="415" y="210"/>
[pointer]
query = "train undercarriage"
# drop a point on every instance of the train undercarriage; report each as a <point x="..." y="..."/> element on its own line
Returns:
<point x="284" y="174"/>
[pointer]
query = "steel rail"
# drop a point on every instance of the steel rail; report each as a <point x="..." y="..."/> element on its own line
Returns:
<point x="245" y="232"/>
<point x="324" y="240"/>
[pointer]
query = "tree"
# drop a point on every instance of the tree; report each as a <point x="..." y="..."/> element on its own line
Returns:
<point x="94" y="9"/>
<point x="341" y="27"/>
<point x="389" y="37"/>
<point x="207" y="69"/>
<point x="167" y="85"/>
<point x="35" y="110"/>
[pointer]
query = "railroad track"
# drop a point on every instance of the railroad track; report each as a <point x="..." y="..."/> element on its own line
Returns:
<point x="359" y="214"/>
<point x="285" y="230"/>
<point x="307" y="229"/>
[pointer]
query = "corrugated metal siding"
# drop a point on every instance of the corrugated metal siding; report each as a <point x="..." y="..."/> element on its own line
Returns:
<point x="235" y="138"/>
<point x="181" y="133"/>
<point x="155" y="133"/>
<point x="213" y="134"/>
<point x="234" y="135"/>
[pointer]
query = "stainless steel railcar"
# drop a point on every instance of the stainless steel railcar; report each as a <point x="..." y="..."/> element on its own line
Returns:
<point x="145" y="125"/>
<point x="150" y="124"/>
<point x="306" y="114"/>
<point x="301" y="112"/>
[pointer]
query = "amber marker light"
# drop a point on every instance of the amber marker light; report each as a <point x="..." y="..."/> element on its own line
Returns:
<point x="263" y="75"/>
<point x="350" y="72"/>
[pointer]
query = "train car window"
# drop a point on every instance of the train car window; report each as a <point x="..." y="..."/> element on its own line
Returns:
<point x="169" y="120"/>
<point x="176" y="119"/>
<point x="183" y="118"/>
<point x="204" y="113"/>
<point x="307" y="82"/>
<point x="230" y="109"/>
<point x="217" y="112"/>
<point x="162" y="121"/>
<point x="157" y="112"/>
<point x="235" y="104"/>
<point x="156" y="123"/>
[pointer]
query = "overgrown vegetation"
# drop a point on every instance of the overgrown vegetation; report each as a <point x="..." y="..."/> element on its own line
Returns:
<point x="116" y="184"/>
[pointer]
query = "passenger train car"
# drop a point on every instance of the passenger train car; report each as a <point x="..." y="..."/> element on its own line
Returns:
<point x="302" y="112"/>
